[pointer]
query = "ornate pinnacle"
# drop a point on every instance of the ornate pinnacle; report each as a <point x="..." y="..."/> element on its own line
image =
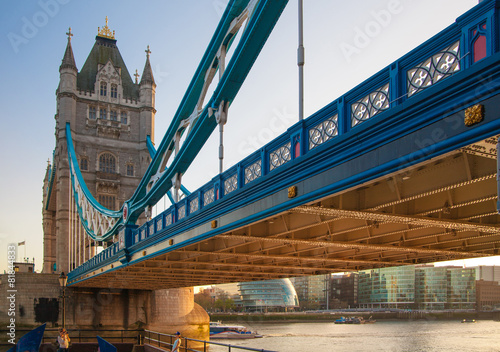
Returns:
<point x="105" y="32"/>
<point x="136" y="76"/>
<point x="69" y="34"/>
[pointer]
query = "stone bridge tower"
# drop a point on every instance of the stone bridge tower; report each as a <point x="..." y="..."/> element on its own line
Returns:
<point x="111" y="118"/>
<point x="112" y="121"/>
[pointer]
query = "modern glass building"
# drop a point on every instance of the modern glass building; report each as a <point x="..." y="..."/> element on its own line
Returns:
<point x="418" y="287"/>
<point x="462" y="288"/>
<point x="269" y="295"/>
<point x="312" y="290"/>
<point x="392" y="287"/>
<point x="431" y="287"/>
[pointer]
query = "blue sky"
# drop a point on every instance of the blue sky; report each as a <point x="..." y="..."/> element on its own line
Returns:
<point x="33" y="40"/>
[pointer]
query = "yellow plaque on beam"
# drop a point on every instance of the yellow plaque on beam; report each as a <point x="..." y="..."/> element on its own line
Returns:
<point x="292" y="192"/>
<point x="474" y="114"/>
<point x="171" y="241"/>
<point x="214" y="224"/>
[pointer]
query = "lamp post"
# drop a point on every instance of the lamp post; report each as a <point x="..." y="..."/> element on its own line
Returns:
<point x="63" y="279"/>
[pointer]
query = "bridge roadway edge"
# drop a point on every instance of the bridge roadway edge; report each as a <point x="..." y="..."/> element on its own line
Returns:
<point x="443" y="106"/>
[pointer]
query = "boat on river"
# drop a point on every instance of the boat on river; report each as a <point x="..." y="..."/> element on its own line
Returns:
<point x="223" y="331"/>
<point x="354" y="320"/>
<point x="468" y="320"/>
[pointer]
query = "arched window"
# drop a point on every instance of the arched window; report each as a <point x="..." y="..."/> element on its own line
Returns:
<point x="107" y="163"/>
<point x="104" y="89"/>
<point x="114" y="91"/>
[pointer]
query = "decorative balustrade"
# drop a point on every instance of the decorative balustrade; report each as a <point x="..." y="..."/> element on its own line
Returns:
<point x="469" y="40"/>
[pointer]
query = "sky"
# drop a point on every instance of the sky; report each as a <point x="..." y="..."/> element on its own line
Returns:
<point x="33" y="40"/>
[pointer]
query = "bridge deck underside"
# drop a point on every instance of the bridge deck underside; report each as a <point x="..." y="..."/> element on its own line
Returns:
<point x="442" y="209"/>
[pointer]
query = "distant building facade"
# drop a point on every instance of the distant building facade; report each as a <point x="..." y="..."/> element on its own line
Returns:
<point x="24" y="267"/>
<point x="311" y="291"/>
<point x="488" y="273"/>
<point x="431" y="288"/>
<point x="343" y="291"/>
<point x="418" y="287"/>
<point x="269" y="295"/>
<point x="487" y="295"/>
<point x="391" y="287"/>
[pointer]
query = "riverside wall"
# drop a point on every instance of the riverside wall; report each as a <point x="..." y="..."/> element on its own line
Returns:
<point x="33" y="299"/>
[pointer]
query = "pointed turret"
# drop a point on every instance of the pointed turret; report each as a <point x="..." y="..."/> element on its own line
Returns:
<point x="147" y="91"/>
<point x="68" y="70"/>
<point x="147" y="73"/>
<point x="68" y="60"/>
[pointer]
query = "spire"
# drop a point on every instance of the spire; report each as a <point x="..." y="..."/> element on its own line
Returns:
<point x="105" y="32"/>
<point x="68" y="60"/>
<point x="147" y="74"/>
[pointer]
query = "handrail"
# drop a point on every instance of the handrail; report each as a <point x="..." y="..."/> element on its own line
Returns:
<point x="78" y="335"/>
<point x="147" y="336"/>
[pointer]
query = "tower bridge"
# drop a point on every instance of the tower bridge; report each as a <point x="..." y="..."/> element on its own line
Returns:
<point x="400" y="170"/>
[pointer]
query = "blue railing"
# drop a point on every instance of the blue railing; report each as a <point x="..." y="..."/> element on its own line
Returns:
<point x="417" y="71"/>
<point x="469" y="40"/>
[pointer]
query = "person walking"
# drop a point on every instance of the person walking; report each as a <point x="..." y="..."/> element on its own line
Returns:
<point x="63" y="340"/>
<point x="176" y="347"/>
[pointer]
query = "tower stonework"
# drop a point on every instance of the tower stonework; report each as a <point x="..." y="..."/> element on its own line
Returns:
<point x="111" y="118"/>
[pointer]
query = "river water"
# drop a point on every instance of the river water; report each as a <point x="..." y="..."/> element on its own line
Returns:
<point x="394" y="336"/>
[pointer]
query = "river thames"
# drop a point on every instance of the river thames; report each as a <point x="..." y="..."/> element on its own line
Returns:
<point x="407" y="336"/>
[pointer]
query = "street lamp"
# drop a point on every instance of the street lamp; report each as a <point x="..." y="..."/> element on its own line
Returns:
<point x="63" y="279"/>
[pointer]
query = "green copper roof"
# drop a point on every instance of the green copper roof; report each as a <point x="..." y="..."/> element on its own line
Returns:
<point x="105" y="49"/>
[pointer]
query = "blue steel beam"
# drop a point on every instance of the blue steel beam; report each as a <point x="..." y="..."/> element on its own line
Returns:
<point x="474" y="83"/>
<point x="261" y="21"/>
<point x="260" y="24"/>
<point x="373" y="150"/>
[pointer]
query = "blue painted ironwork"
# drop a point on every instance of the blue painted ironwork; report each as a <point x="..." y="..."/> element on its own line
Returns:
<point x="382" y="116"/>
<point x="181" y="212"/>
<point x="194" y="205"/>
<point x="253" y="171"/>
<point x="280" y="156"/>
<point x="324" y="131"/>
<point x="168" y="219"/>
<point x="231" y="184"/>
<point x="370" y="105"/>
<point x="437" y="67"/>
<point x="262" y="16"/>
<point x="208" y="197"/>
